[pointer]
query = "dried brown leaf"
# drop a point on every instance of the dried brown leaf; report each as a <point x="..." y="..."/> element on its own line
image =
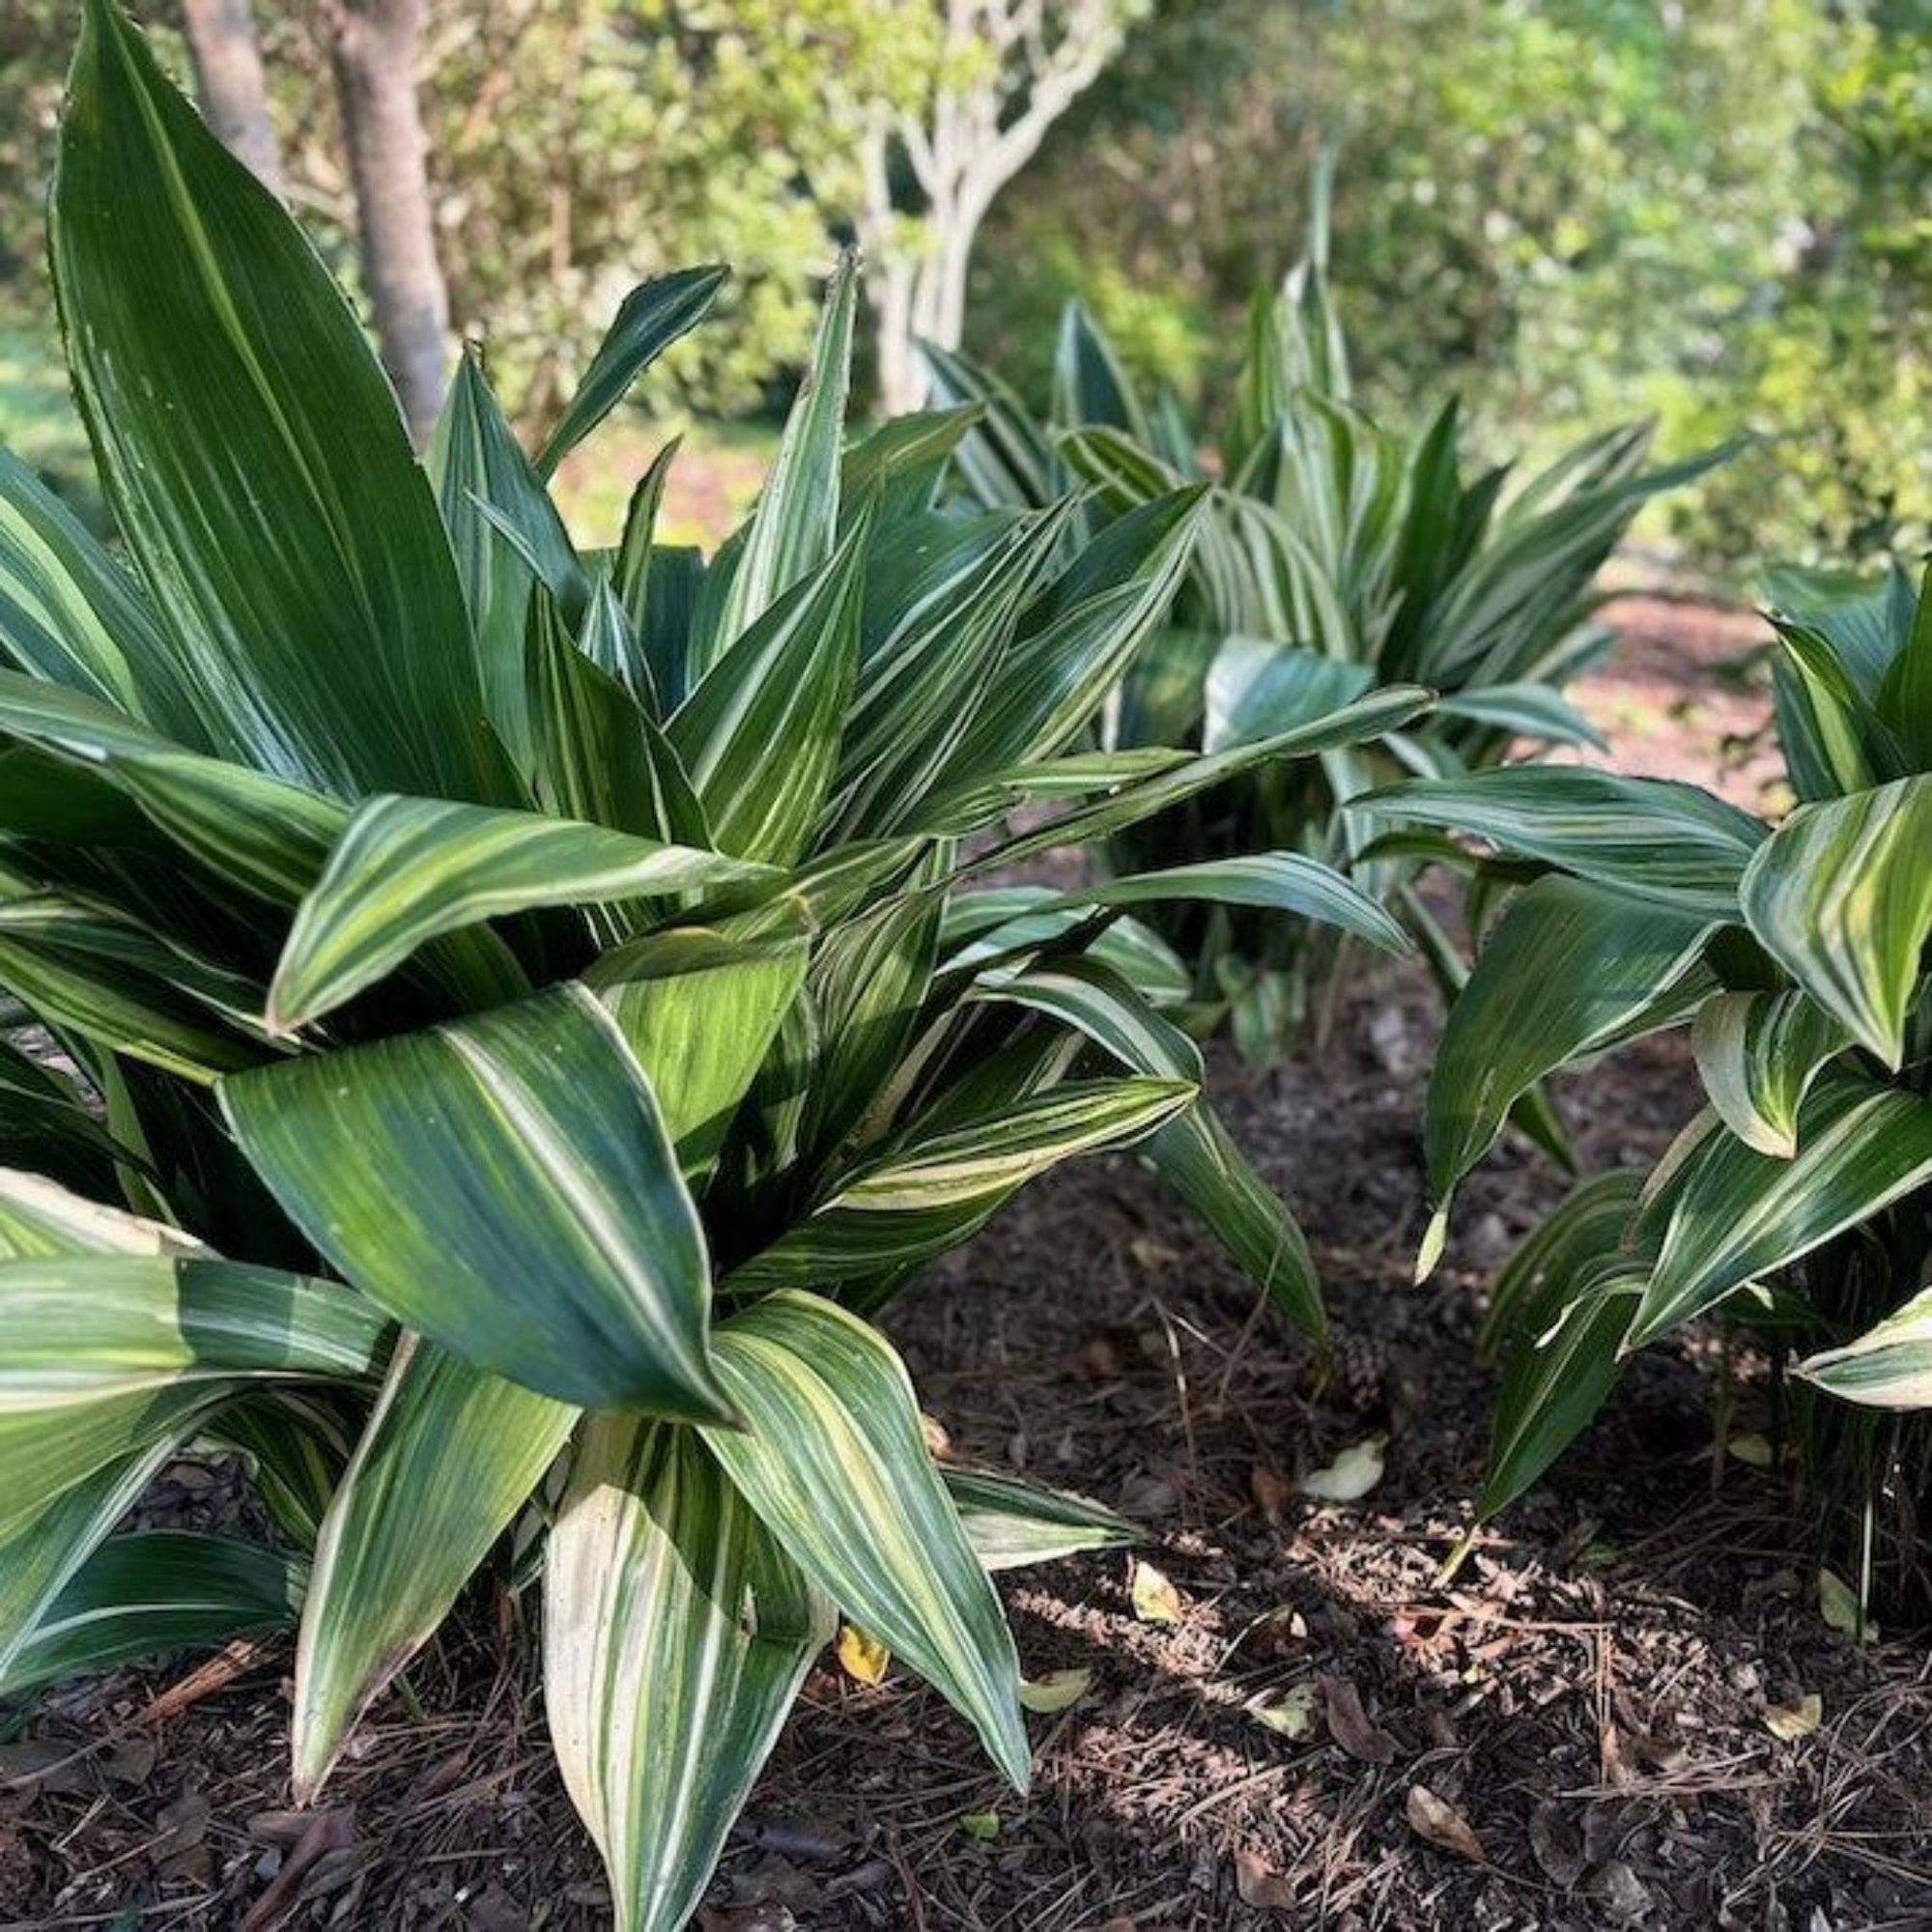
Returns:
<point x="1259" y="1884"/>
<point x="1351" y="1727"/>
<point x="1556" y="1843"/>
<point x="1440" y="1822"/>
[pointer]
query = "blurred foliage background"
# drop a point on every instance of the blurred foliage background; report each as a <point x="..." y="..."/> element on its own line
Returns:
<point x="1573" y="211"/>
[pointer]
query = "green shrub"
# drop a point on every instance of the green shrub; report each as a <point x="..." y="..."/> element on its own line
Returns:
<point x="521" y="1011"/>
<point x="1339" y="556"/>
<point x="1797" y="1203"/>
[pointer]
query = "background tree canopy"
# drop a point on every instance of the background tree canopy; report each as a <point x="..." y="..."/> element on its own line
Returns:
<point x="1573" y="210"/>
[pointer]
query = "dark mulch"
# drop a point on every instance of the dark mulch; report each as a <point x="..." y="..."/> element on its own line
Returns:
<point x="1588" y="1697"/>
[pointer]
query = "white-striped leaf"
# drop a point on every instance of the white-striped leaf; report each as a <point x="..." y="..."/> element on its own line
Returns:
<point x="253" y="453"/>
<point x="1757" y="1055"/>
<point x="1570" y="970"/>
<point x="701" y="1014"/>
<point x="791" y="531"/>
<point x="929" y="1191"/>
<point x="1888" y="1366"/>
<point x="1536" y="711"/>
<point x="1011" y="1522"/>
<point x="1167" y="782"/>
<point x="109" y="1352"/>
<point x="1841" y="896"/>
<point x="1256" y="688"/>
<point x="153" y="1591"/>
<point x="833" y="1459"/>
<point x="1289" y="882"/>
<point x="787" y="682"/>
<point x="408" y="869"/>
<point x="676" y="1634"/>
<point x="40" y="1219"/>
<point x="1667" y="842"/>
<point x="1734" y="1214"/>
<point x="504" y="1185"/>
<point x="1193" y="1152"/>
<point x="648" y="321"/>
<point x="69" y="614"/>
<point x="43" y="1547"/>
<point x="449" y="1454"/>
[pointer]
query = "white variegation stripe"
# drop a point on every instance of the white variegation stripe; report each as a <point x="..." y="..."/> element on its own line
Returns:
<point x="833" y="1462"/>
<point x="406" y="871"/>
<point x="676" y="1634"/>
<point x="447" y="1457"/>
<point x="1841" y="896"/>
<point x="1737" y="1214"/>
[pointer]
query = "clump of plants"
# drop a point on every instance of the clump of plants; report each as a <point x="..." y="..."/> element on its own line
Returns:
<point x="1338" y="553"/>
<point x="507" y="1017"/>
<point x="1797" y="1206"/>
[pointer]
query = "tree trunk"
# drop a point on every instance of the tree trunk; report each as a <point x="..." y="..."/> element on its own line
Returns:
<point x="228" y="77"/>
<point x="376" y="47"/>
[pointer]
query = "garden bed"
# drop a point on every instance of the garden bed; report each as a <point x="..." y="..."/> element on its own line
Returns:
<point x="1592" y="1697"/>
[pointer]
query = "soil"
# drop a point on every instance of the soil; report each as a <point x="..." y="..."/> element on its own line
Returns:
<point x="1576" y="1730"/>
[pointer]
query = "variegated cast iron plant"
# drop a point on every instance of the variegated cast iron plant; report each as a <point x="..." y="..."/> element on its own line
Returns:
<point x="1338" y="553"/>
<point x="1798" y="1203"/>
<point x="507" y="1017"/>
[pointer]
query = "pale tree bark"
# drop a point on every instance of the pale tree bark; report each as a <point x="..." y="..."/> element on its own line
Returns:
<point x="230" y="84"/>
<point x="375" y="46"/>
<point x="1008" y="70"/>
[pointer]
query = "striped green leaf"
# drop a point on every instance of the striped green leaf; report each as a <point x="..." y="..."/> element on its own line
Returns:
<point x="921" y="682"/>
<point x="929" y="1192"/>
<point x="676" y="1634"/>
<point x="504" y="1185"/>
<point x="1287" y="882"/>
<point x="1256" y="689"/>
<point x="45" y="1542"/>
<point x="449" y="1456"/>
<point x="648" y="321"/>
<point x="407" y="869"/>
<point x="1889" y="1366"/>
<point x="153" y="1591"/>
<point x="507" y="537"/>
<point x="1570" y="970"/>
<point x="699" y="1013"/>
<point x="1536" y="711"/>
<point x="791" y="532"/>
<point x="1841" y="896"/>
<point x="108" y="978"/>
<point x="109" y="1352"/>
<point x="1558" y="1379"/>
<point x="40" y="1219"/>
<point x="1193" y="1152"/>
<point x="601" y="757"/>
<point x="1080" y="638"/>
<point x="787" y="681"/>
<point x="1167" y="783"/>
<point x="1595" y="1222"/>
<point x="833" y="1460"/>
<point x="1011" y="1522"/>
<point x="902" y="465"/>
<point x="1667" y="842"/>
<point x="1757" y="1055"/>
<point x="1005" y="459"/>
<point x="47" y="1128"/>
<point x="870" y="980"/>
<point x="1091" y="384"/>
<point x="253" y="453"/>
<point x="265" y="835"/>
<point x="1735" y="1214"/>
<point x="69" y="614"/>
